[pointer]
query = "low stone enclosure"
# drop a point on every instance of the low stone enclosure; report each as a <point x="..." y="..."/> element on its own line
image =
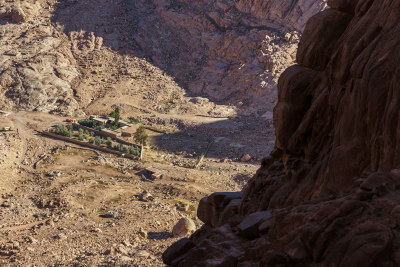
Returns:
<point x="104" y="149"/>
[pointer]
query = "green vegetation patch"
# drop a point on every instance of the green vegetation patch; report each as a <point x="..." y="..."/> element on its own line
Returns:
<point x="91" y="124"/>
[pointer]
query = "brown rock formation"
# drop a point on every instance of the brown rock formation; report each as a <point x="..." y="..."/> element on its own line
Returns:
<point x="229" y="51"/>
<point x="36" y="64"/>
<point x="328" y="195"/>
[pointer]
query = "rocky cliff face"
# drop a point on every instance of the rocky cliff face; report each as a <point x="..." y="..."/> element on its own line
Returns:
<point x="36" y="64"/>
<point x="328" y="195"/>
<point x="229" y="51"/>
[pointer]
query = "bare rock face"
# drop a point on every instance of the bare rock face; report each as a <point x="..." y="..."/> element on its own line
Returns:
<point x="341" y="106"/>
<point x="230" y="52"/>
<point x="19" y="11"/>
<point x="292" y="14"/>
<point x="328" y="195"/>
<point x="14" y="14"/>
<point x="36" y="64"/>
<point x="227" y="51"/>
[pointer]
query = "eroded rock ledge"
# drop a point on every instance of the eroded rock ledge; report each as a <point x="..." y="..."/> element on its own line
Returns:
<point x="328" y="195"/>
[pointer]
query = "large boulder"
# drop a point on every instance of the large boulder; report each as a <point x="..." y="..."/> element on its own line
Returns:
<point x="328" y="196"/>
<point x="183" y="227"/>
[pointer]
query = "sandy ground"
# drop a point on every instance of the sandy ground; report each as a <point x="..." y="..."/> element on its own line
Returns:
<point x="54" y="194"/>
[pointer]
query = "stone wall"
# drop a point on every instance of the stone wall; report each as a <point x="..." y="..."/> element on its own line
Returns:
<point x="74" y="141"/>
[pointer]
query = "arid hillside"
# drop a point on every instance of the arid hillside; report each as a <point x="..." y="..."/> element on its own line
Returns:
<point x="62" y="56"/>
<point x="199" y="76"/>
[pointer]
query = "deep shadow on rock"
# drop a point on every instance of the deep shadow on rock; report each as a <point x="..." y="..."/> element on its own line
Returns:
<point x="230" y="52"/>
<point x="328" y="195"/>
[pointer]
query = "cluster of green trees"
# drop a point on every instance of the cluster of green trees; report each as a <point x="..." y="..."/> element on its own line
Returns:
<point x="141" y="135"/>
<point x="91" y="124"/>
<point x="97" y="140"/>
<point x="64" y="131"/>
<point x="84" y="134"/>
<point x="117" y="117"/>
<point x="133" y="120"/>
<point x="114" y="125"/>
<point x="133" y="150"/>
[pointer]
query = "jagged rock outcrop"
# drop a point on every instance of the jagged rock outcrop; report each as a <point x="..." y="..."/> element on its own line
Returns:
<point x="289" y="14"/>
<point x="36" y="64"/>
<point x="328" y="195"/>
<point x="230" y="52"/>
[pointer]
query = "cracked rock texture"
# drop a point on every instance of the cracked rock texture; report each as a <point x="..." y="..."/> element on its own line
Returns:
<point x="36" y="64"/>
<point x="229" y="51"/>
<point x="328" y="194"/>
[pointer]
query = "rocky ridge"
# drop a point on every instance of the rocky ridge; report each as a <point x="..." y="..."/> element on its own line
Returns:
<point x="230" y="52"/>
<point x="222" y="49"/>
<point x="327" y="196"/>
<point x="36" y="65"/>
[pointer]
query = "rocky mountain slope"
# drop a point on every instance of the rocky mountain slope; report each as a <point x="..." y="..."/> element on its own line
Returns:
<point x="328" y="195"/>
<point x="231" y="52"/>
<point x="36" y="63"/>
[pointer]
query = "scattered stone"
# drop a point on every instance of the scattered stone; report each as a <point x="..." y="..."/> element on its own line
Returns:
<point x="245" y="158"/>
<point x="121" y="250"/>
<point x="15" y="14"/>
<point x="110" y="214"/>
<point x="142" y="233"/>
<point x="15" y="245"/>
<point x="183" y="227"/>
<point x="125" y="258"/>
<point x="6" y="204"/>
<point x="10" y="248"/>
<point x="40" y="215"/>
<point x="32" y="240"/>
<point x="142" y="254"/>
<point x="145" y="196"/>
<point x="61" y="236"/>
<point x="182" y="207"/>
<point x="97" y="230"/>
<point x="50" y="222"/>
<point x="126" y="243"/>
